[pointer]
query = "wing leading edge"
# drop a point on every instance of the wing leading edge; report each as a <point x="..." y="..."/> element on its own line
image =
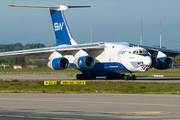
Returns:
<point x="68" y="49"/>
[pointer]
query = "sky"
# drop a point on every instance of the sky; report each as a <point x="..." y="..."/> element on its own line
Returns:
<point x="110" y="20"/>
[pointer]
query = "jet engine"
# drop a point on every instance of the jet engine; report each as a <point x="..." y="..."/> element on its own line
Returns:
<point x="154" y="61"/>
<point x="58" y="63"/>
<point x="164" y="63"/>
<point x="84" y="62"/>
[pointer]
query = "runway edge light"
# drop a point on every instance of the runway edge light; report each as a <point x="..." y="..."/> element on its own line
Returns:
<point x="177" y="91"/>
<point x="21" y="89"/>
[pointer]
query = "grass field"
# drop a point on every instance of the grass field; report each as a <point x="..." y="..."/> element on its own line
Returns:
<point x="14" y="86"/>
<point x="40" y="70"/>
<point x="73" y="72"/>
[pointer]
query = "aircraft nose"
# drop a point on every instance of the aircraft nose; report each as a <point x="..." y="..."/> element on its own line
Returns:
<point x="147" y="60"/>
<point x="146" y="63"/>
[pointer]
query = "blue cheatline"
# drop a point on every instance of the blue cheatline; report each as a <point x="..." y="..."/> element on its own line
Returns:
<point x="105" y="68"/>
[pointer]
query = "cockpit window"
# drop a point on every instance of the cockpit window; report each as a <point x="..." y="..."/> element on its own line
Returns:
<point x="140" y="51"/>
<point x="145" y="52"/>
<point x="134" y="52"/>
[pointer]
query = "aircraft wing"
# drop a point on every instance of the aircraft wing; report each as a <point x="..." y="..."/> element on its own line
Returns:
<point x="63" y="49"/>
<point x="154" y="50"/>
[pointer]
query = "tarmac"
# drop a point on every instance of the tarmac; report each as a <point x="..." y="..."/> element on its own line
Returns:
<point x="66" y="77"/>
<point x="89" y="106"/>
<point x="33" y="106"/>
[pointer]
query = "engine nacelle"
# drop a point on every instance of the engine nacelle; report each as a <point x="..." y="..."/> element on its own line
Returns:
<point x="154" y="61"/>
<point x="58" y="63"/>
<point x="164" y="63"/>
<point x="84" y="62"/>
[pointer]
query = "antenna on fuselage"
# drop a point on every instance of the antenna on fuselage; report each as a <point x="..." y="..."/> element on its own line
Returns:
<point x="141" y="40"/>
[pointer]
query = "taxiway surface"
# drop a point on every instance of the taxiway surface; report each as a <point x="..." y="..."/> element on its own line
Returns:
<point x="89" y="106"/>
<point x="66" y="77"/>
<point x="28" y="106"/>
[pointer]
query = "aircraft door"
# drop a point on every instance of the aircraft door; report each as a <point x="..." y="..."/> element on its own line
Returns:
<point x="119" y="58"/>
<point x="119" y="62"/>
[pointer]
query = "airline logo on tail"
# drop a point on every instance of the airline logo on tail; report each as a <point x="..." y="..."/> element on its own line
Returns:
<point x="58" y="26"/>
<point x="62" y="33"/>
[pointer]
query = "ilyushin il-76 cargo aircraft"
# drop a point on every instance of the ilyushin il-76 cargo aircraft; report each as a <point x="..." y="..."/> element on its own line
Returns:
<point x="110" y="59"/>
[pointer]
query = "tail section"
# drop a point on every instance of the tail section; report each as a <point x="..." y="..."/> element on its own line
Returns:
<point x="61" y="30"/>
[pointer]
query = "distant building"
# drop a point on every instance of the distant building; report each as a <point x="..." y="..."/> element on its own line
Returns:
<point x="17" y="67"/>
<point x="37" y="60"/>
<point x="32" y="66"/>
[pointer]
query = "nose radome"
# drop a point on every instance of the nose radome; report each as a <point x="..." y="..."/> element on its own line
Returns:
<point x="147" y="61"/>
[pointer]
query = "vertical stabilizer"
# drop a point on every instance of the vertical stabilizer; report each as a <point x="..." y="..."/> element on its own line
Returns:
<point x="61" y="29"/>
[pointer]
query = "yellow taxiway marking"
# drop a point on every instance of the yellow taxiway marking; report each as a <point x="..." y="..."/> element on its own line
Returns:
<point x="71" y="101"/>
<point x="144" y="113"/>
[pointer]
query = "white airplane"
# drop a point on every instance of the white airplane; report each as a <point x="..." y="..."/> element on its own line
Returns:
<point x="110" y="59"/>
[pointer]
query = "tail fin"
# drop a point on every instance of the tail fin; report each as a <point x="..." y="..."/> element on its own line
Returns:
<point x="61" y="30"/>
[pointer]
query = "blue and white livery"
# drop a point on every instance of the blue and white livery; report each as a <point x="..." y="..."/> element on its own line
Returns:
<point x="112" y="59"/>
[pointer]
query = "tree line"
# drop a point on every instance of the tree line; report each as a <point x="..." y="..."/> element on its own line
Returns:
<point x="24" y="60"/>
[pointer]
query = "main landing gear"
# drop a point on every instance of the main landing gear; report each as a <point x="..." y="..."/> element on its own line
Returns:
<point x="130" y="77"/>
<point x="121" y="76"/>
<point x="85" y="77"/>
<point x="108" y="77"/>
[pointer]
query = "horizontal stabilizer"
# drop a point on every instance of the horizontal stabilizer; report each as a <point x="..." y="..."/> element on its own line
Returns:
<point x="57" y="7"/>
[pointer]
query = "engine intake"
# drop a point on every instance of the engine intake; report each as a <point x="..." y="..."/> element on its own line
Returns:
<point x="164" y="63"/>
<point x="84" y="62"/>
<point x="154" y="61"/>
<point x="58" y="63"/>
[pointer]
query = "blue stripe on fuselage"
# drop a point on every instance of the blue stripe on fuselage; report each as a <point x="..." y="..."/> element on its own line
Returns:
<point x="103" y="69"/>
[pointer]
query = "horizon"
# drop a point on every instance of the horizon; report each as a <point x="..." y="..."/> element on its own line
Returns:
<point x="111" y="21"/>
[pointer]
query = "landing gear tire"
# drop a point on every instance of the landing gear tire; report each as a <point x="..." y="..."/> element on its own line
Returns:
<point x="93" y="77"/>
<point x="117" y="76"/>
<point x="127" y="77"/>
<point x="108" y="77"/>
<point x="78" y="77"/>
<point x="82" y="76"/>
<point x="85" y="76"/>
<point x="133" y="77"/>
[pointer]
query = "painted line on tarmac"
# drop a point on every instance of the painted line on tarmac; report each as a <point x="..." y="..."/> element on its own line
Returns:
<point x="143" y="113"/>
<point x="17" y="116"/>
<point x="88" y="102"/>
<point x="38" y="117"/>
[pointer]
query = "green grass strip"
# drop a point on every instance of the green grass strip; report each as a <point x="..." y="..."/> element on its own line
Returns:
<point x="73" y="72"/>
<point x="14" y="86"/>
